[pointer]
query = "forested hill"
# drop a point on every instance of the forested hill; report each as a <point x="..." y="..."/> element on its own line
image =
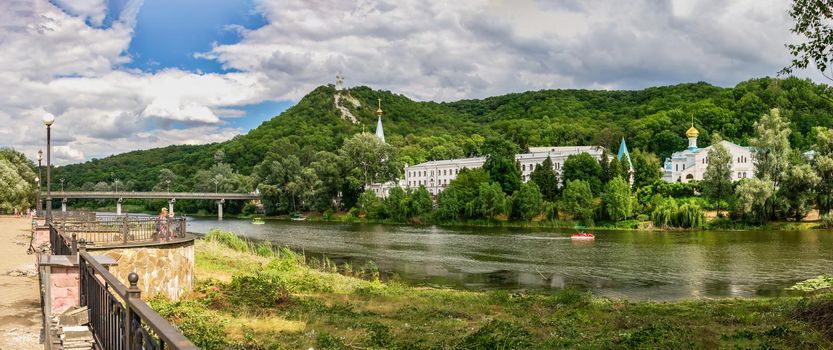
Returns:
<point x="652" y="119"/>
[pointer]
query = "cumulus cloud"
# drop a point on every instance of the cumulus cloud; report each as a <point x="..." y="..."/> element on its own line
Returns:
<point x="475" y="48"/>
<point x="58" y="57"/>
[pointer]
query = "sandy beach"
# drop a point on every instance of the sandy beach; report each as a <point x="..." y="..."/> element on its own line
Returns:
<point x="20" y="321"/>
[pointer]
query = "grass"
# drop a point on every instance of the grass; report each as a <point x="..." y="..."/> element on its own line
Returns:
<point x="248" y="301"/>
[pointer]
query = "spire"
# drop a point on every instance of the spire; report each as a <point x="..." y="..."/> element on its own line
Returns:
<point x="623" y="152"/>
<point x="380" y="132"/>
<point x="692" y="134"/>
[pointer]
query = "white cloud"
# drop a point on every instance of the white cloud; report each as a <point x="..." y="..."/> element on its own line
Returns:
<point x="52" y="59"/>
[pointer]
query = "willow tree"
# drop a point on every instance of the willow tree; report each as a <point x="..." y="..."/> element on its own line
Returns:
<point x="717" y="181"/>
<point x="814" y="25"/>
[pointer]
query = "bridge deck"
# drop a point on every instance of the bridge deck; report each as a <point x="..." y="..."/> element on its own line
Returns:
<point x="154" y="195"/>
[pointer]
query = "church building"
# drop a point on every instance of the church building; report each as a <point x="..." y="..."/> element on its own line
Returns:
<point x="691" y="163"/>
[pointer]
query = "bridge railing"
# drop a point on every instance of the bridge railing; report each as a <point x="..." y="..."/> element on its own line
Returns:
<point x="114" y="229"/>
<point x="119" y="319"/>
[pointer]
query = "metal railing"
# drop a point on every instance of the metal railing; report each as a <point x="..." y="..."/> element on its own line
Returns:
<point x="58" y="216"/>
<point x="119" y="319"/>
<point x="61" y="245"/>
<point x="114" y="229"/>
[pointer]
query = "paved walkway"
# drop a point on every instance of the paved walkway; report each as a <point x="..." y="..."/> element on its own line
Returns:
<point x="20" y="320"/>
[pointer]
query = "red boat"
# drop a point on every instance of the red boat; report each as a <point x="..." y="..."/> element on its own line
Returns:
<point x="581" y="235"/>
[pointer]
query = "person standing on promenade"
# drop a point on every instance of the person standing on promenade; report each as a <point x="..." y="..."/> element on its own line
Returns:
<point x="162" y="225"/>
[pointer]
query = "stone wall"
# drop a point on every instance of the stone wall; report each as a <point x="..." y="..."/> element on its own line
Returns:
<point x="163" y="268"/>
<point x="63" y="288"/>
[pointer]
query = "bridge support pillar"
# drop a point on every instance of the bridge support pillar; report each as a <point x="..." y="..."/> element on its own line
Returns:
<point x="171" y="206"/>
<point x="64" y="205"/>
<point x="118" y="206"/>
<point x="220" y="209"/>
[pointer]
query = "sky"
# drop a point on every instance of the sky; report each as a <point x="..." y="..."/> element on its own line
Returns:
<point x="122" y="75"/>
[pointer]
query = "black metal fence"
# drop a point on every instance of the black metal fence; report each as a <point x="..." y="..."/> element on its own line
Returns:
<point x="61" y="245"/>
<point x="122" y="229"/>
<point x="119" y="319"/>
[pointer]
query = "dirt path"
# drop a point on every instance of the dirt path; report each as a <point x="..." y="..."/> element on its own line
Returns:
<point x="20" y="320"/>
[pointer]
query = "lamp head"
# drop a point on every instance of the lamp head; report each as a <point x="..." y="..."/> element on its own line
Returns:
<point x="48" y="119"/>
<point x="40" y="155"/>
<point x="37" y="179"/>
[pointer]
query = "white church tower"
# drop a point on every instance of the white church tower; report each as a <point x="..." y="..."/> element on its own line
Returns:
<point x="380" y="132"/>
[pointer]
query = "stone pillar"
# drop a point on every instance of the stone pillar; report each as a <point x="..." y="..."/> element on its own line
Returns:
<point x="171" y="206"/>
<point x="220" y="209"/>
<point x="64" y="205"/>
<point x="118" y="206"/>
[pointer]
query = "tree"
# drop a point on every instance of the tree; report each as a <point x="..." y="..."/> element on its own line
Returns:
<point x="771" y="145"/>
<point x="14" y="190"/>
<point x="797" y="189"/>
<point x="420" y="202"/>
<point x="583" y="167"/>
<point x="617" y="199"/>
<point x="490" y="201"/>
<point x="505" y="171"/>
<point x="753" y="195"/>
<point x="823" y="165"/>
<point x="375" y="160"/>
<point x="607" y="173"/>
<point x="165" y="180"/>
<point x="578" y="200"/>
<point x="453" y="201"/>
<point x="527" y="202"/>
<point x="544" y="176"/>
<point x="646" y="168"/>
<point x="717" y="181"/>
<point x="396" y="204"/>
<point x="813" y="22"/>
<point x="305" y="187"/>
<point x="369" y="204"/>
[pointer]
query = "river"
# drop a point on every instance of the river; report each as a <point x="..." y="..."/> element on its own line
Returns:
<point x="618" y="264"/>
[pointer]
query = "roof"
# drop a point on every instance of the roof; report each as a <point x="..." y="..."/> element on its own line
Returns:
<point x="449" y="162"/>
<point x="623" y="152"/>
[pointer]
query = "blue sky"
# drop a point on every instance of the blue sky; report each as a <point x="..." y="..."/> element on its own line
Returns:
<point x="168" y="34"/>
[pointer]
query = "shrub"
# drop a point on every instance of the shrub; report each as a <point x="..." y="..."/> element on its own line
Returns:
<point x="228" y="239"/>
<point x="259" y="290"/>
<point x="204" y="327"/>
<point x="827" y="221"/>
<point x="668" y="214"/>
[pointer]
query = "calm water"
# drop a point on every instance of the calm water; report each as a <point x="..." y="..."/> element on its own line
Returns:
<point x="633" y="265"/>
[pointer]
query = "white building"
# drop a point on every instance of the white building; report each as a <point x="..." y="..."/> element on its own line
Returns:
<point x="436" y="175"/>
<point x="691" y="163"/>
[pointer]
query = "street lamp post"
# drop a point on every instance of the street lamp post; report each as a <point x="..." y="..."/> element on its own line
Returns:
<point x="48" y="119"/>
<point x="39" y="208"/>
<point x="216" y="184"/>
<point x="37" y="195"/>
<point x="62" y="185"/>
<point x="168" y="182"/>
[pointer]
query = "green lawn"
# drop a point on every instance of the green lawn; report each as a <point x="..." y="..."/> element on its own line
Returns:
<point x="277" y="301"/>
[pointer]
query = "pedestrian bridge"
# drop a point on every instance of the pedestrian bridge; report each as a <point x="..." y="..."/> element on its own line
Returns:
<point x="170" y="196"/>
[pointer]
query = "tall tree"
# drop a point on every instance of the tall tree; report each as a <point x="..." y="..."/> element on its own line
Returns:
<point x="490" y="201"/>
<point x="504" y="170"/>
<point x="617" y="199"/>
<point x="420" y="203"/>
<point x="646" y="168"/>
<point x="578" y="200"/>
<point x="771" y="145"/>
<point x="375" y="160"/>
<point x="797" y="190"/>
<point x="583" y="167"/>
<point x="527" y="202"/>
<point x="823" y="165"/>
<point x="544" y="176"/>
<point x="717" y="181"/>
<point x="753" y="196"/>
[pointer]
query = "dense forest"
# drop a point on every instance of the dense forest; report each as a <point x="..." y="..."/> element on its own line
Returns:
<point x="652" y="120"/>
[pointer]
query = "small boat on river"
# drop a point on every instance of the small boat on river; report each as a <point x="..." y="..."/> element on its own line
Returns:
<point x="581" y="235"/>
<point x="297" y="217"/>
<point x="258" y="221"/>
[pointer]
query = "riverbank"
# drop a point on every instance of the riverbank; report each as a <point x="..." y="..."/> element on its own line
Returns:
<point x="255" y="297"/>
<point x="20" y="320"/>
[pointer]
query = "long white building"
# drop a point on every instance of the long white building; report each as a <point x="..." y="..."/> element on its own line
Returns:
<point x="691" y="163"/>
<point x="436" y="175"/>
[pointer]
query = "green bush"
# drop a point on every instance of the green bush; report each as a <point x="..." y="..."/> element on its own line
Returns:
<point x="228" y="239"/>
<point x="258" y="290"/>
<point x="205" y="328"/>
<point x="668" y="214"/>
<point x="827" y="221"/>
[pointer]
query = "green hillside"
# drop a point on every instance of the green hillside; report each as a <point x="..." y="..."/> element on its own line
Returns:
<point x="652" y="119"/>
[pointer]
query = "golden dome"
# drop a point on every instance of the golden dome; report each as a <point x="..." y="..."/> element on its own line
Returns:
<point x="692" y="132"/>
<point x="379" y="110"/>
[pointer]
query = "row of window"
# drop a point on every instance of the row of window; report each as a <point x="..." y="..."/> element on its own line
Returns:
<point x="416" y="183"/>
<point x="444" y="172"/>
<point x="741" y="174"/>
<point x="531" y="167"/>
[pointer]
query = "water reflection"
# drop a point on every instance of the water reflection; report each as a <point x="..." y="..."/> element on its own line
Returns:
<point x="634" y="265"/>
